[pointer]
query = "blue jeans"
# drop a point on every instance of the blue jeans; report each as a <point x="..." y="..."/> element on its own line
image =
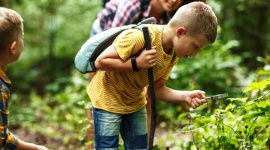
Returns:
<point x="132" y="127"/>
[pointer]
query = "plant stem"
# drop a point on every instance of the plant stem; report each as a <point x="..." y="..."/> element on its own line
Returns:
<point x="251" y="127"/>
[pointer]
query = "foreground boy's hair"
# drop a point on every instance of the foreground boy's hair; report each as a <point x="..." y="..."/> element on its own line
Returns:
<point x="11" y="25"/>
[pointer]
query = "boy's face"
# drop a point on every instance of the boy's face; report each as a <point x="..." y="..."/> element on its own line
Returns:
<point x="188" y="46"/>
<point x="170" y="5"/>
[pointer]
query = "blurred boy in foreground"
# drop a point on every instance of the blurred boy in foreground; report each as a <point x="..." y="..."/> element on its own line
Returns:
<point x="11" y="46"/>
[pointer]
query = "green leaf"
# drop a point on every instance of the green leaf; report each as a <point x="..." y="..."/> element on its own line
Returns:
<point x="249" y="105"/>
<point x="264" y="83"/>
<point x="263" y="72"/>
<point x="257" y="85"/>
<point x="187" y="128"/>
<point x="238" y="99"/>
<point x="220" y="111"/>
<point x="253" y="115"/>
<point x="251" y="136"/>
<point x="229" y="113"/>
<point x="265" y="109"/>
<point x="263" y="122"/>
<point x="252" y="87"/>
<point x="229" y="107"/>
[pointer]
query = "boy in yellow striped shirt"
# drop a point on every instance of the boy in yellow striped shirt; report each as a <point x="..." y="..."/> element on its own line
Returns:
<point x="117" y="91"/>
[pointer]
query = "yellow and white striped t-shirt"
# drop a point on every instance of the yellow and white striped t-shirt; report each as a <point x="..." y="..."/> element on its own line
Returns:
<point x="123" y="92"/>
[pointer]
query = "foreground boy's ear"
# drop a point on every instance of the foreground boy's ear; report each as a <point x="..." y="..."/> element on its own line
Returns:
<point x="180" y="31"/>
<point x="12" y="47"/>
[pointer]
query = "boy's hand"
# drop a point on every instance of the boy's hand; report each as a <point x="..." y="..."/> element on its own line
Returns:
<point x="147" y="58"/>
<point x="39" y="147"/>
<point x="195" y="98"/>
<point x="29" y="146"/>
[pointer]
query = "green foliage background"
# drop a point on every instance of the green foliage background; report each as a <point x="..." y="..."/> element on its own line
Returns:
<point x="49" y="98"/>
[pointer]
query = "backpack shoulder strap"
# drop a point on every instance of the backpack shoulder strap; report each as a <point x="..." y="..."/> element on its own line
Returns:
<point x="140" y="27"/>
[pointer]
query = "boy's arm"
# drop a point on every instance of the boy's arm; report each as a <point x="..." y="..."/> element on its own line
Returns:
<point x="193" y="98"/>
<point x="110" y="60"/>
<point x="29" y="146"/>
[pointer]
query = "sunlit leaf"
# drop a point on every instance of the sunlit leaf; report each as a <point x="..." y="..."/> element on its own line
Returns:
<point x="264" y="122"/>
<point x="264" y="83"/>
<point x="251" y="87"/>
<point x="229" y="113"/>
<point x="248" y="107"/>
<point x="238" y="99"/>
<point x="256" y="86"/>
<point x="263" y="72"/>
<point x="220" y="111"/>
<point x="181" y="116"/>
<point x="229" y="107"/>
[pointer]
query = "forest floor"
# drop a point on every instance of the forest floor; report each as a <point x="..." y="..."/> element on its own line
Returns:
<point x="163" y="138"/>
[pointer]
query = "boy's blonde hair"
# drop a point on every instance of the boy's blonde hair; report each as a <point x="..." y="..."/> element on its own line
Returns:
<point x="198" y="18"/>
<point x="11" y="27"/>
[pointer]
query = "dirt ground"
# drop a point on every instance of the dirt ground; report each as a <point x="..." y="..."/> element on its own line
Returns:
<point x="163" y="137"/>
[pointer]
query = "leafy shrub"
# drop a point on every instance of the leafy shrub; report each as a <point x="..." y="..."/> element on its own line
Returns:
<point x="214" y="71"/>
<point x="61" y="116"/>
<point x="242" y="124"/>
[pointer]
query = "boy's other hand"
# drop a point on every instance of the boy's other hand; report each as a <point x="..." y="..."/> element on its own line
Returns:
<point x="29" y="146"/>
<point x="147" y="58"/>
<point x="195" y="98"/>
<point x="42" y="147"/>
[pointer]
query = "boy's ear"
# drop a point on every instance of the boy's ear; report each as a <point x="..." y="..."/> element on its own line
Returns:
<point x="12" y="47"/>
<point x="180" y="31"/>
